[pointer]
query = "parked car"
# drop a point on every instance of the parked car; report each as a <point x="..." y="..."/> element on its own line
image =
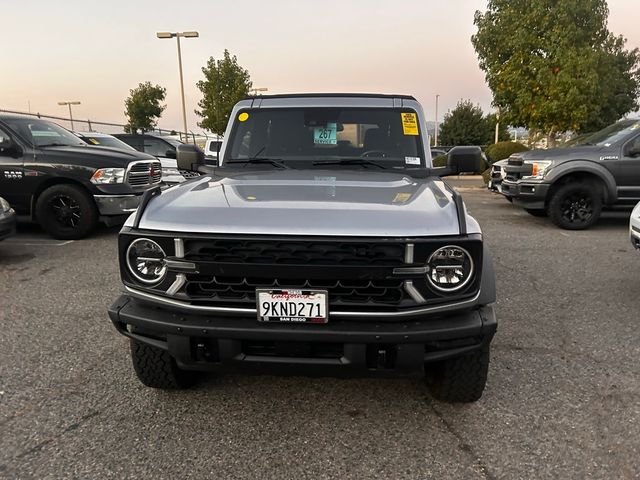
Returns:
<point x="573" y="185"/>
<point x="103" y="140"/>
<point x="634" y="226"/>
<point x="163" y="148"/>
<point x="211" y="150"/>
<point x="51" y="176"/>
<point x="7" y="219"/>
<point x="326" y="239"/>
<point x="497" y="175"/>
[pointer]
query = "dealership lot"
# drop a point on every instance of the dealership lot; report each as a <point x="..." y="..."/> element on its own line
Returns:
<point x="563" y="398"/>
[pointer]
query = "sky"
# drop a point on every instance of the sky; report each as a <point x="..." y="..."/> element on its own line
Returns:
<point x="96" y="51"/>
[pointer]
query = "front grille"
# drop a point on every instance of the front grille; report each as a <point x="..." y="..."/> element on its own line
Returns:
<point x="241" y="291"/>
<point x="289" y="252"/>
<point x="144" y="173"/>
<point x="189" y="174"/>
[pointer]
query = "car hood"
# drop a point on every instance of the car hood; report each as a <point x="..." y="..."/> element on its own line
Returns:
<point x="105" y="156"/>
<point x="558" y="154"/>
<point x="307" y="202"/>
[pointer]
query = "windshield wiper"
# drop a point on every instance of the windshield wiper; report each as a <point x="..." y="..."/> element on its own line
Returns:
<point x="56" y="145"/>
<point x="350" y="161"/>
<point x="262" y="160"/>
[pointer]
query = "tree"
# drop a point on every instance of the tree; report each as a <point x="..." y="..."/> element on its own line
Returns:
<point x="553" y="66"/>
<point x="143" y="107"/>
<point x="224" y="85"/>
<point x="466" y="124"/>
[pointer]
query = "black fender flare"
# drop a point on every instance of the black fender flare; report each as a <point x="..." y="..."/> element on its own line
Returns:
<point x="589" y="167"/>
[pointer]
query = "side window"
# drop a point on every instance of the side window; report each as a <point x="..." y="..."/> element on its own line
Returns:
<point x="156" y="147"/>
<point x="5" y="143"/>
<point x="632" y="149"/>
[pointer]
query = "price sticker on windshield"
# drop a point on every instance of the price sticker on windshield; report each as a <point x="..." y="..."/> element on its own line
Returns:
<point x="326" y="135"/>
<point x="409" y="123"/>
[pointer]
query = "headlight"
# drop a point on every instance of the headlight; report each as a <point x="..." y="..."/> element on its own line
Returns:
<point x="145" y="260"/>
<point x="539" y="168"/>
<point x="449" y="268"/>
<point x="166" y="171"/>
<point x="108" y="175"/>
<point x="4" y="205"/>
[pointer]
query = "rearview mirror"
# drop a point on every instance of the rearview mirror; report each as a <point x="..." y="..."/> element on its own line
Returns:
<point x="463" y="160"/>
<point x="190" y="157"/>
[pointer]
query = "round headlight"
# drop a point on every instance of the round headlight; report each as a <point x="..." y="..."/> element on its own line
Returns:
<point x="145" y="259"/>
<point x="449" y="268"/>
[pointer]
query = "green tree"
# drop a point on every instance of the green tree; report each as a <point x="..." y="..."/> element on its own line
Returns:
<point x="553" y="66"/>
<point x="143" y="107"/>
<point x="224" y="85"/>
<point x="466" y="124"/>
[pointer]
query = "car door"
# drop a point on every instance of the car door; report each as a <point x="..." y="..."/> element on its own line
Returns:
<point x="12" y="172"/>
<point x="628" y="177"/>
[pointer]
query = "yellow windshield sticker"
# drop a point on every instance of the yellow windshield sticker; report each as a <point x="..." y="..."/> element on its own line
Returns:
<point x="243" y="117"/>
<point x="409" y="123"/>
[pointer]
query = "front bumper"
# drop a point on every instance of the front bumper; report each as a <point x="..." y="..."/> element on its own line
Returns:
<point x="531" y="195"/>
<point x="634" y="227"/>
<point x="206" y="342"/>
<point x="7" y="224"/>
<point x="110" y="205"/>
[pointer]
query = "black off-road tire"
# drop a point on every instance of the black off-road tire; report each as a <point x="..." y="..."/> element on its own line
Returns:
<point x="460" y="379"/>
<point x="536" y="212"/>
<point x="82" y="215"/>
<point x="155" y="368"/>
<point x="575" y="206"/>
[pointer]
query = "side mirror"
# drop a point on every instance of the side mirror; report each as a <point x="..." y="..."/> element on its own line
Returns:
<point x="170" y="153"/>
<point x="190" y="157"/>
<point x="463" y="160"/>
<point x="5" y="142"/>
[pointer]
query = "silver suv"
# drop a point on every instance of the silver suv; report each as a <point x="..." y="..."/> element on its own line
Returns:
<point x="325" y="239"/>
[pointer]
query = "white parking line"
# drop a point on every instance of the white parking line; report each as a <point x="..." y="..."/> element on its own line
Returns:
<point x="37" y="242"/>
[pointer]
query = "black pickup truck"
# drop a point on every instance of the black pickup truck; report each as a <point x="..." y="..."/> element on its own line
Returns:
<point x="573" y="184"/>
<point x="51" y="176"/>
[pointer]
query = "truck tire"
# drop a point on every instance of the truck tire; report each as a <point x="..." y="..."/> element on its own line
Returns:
<point x="536" y="212"/>
<point x="155" y="368"/>
<point x="66" y="212"/>
<point x="460" y="379"/>
<point x="575" y="206"/>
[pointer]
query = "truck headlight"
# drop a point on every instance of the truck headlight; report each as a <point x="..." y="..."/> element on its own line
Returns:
<point x="538" y="168"/>
<point x="104" y="176"/>
<point x="449" y="268"/>
<point x="170" y="171"/>
<point x="145" y="260"/>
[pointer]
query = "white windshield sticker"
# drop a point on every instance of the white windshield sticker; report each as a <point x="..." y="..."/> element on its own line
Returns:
<point x="412" y="160"/>
<point x="325" y="135"/>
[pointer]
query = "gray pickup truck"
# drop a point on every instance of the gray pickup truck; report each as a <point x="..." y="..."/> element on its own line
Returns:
<point x="325" y="239"/>
<point x="573" y="184"/>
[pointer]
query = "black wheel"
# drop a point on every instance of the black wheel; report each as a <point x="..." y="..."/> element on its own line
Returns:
<point x="157" y="369"/>
<point x="536" y="212"/>
<point x="575" y="206"/>
<point x="66" y="212"/>
<point x="460" y="379"/>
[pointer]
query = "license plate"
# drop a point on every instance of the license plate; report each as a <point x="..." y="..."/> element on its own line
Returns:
<point x="292" y="306"/>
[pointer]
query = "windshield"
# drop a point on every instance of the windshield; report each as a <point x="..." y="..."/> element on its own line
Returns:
<point x="308" y="137"/>
<point x="106" y="142"/>
<point x="42" y="133"/>
<point x="611" y="134"/>
<point x="172" y="141"/>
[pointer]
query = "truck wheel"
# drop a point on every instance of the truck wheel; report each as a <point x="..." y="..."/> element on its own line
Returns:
<point x="66" y="212"/>
<point x="575" y="206"/>
<point x="157" y="369"/>
<point x="460" y="379"/>
<point x="536" y="212"/>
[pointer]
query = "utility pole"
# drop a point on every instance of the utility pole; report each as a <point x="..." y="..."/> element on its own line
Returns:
<point x="177" y="36"/>
<point x="435" y="143"/>
<point x="497" y="126"/>
<point x="70" y="113"/>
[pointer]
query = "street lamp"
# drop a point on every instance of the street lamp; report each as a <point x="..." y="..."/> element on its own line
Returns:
<point x="70" y="114"/>
<point x="435" y="143"/>
<point x="177" y="36"/>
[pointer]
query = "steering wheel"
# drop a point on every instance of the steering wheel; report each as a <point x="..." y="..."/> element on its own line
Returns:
<point x="380" y="153"/>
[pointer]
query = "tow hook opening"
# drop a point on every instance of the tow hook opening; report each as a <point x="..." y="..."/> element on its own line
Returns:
<point x="381" y="356"/>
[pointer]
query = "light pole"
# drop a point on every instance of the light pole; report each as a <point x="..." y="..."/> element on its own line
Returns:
<point x="177" y="36"/>
<point x="435" y="143"/>
<point x="70" y="114"/>
<point x="259" y="89"/>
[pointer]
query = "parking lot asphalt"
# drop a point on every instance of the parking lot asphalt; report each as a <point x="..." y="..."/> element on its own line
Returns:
<point x="562" y="401"/>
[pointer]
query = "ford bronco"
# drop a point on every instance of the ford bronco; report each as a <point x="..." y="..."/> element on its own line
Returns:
<point x="325" y="239"/>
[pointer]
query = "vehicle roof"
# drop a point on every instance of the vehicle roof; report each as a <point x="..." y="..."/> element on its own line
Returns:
<point x="340" y="95"/>
<point x="94" y="134"/>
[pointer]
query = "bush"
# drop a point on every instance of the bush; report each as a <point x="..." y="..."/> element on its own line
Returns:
<point x="486" y="176"/>
<point x="501" y="150"/>
<point x="440" y="161"/>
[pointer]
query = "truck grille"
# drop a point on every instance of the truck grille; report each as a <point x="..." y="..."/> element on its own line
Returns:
<point x="296" y="253"/>
<point x="144" y="173"/>
<point x="240" y="291"/>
